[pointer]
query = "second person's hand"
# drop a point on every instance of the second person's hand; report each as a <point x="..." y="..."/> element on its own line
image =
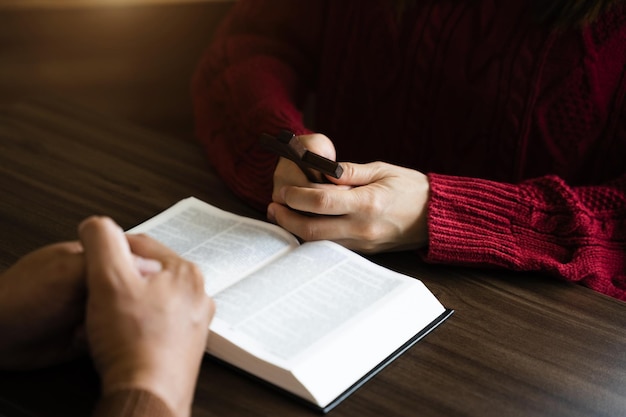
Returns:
<point x="146" y="326"/>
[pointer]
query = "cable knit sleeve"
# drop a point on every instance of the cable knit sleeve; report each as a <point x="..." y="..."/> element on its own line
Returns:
<point x="131" y="403"/>
<point x="577" y="233"/>
<point x="254" y="78"/>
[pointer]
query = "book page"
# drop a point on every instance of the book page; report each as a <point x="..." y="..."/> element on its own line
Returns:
<point x="287" y="307"/>
<point x="311" y="318"/>
<point x="224" y="245"/>
<point x="322" y="312"/>
<point x="367" y="341"/>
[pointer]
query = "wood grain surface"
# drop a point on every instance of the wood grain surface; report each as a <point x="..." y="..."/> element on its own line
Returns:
<point x="517" y="345"/>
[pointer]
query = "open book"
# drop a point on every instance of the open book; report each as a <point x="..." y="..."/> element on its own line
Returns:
<point x="315" y="320"/>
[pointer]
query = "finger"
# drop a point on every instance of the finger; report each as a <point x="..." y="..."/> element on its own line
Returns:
<point x="212" y="307"/>
<point x="70" y="247"/>
<point x="147" y="247"/>
<point x="107" y="252"/>
<point x="147" y="266"/>
<point x="64" y="259"/>
<point x="310" y="227"/>
<point x="286" y="173"/>
<point x="67" y="262"/>
<point x="361" y="174"/>
<point x="326" y="201"/>
<point x="320" y="144"/>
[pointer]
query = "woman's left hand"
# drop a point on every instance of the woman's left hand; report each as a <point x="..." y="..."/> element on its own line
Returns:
<point x="383" y="208"/>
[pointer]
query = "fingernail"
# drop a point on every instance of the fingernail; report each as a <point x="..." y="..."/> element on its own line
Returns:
<point x="97" y="219"/>
<point x="271" y="215"/>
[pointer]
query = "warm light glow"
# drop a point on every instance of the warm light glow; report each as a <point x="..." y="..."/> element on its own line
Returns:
<point x="90" y="3"/>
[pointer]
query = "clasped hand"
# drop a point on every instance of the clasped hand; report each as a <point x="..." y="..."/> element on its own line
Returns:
<point x="372" y="208"/>
<point x="137" y="307"/>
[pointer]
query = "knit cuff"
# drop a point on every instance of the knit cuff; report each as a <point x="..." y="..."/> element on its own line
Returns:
<point x="131" y="403"/>
<point x="469" y="222"/>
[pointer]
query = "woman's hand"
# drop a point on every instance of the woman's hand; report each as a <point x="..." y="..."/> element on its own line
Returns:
<point x="146" y="327"/>
<point x="288" y="173"/>
<point x="378" y="207"/>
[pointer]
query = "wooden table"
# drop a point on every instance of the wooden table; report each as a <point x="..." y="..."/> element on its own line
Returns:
<point x="518" y="344"/>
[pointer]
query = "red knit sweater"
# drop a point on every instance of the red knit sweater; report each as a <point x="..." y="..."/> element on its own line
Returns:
<point x="521" y="129"/>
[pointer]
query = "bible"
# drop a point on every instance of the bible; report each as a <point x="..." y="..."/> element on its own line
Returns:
<point x="314" y="320"/>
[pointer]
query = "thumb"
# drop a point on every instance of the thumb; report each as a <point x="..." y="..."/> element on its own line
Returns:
<point x="107" y="251"/>
<point x="360" y="174"/>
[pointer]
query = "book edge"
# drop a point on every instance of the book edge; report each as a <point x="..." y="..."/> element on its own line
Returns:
<point x="359" y="383"/>
<point x="388" y="360"/>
